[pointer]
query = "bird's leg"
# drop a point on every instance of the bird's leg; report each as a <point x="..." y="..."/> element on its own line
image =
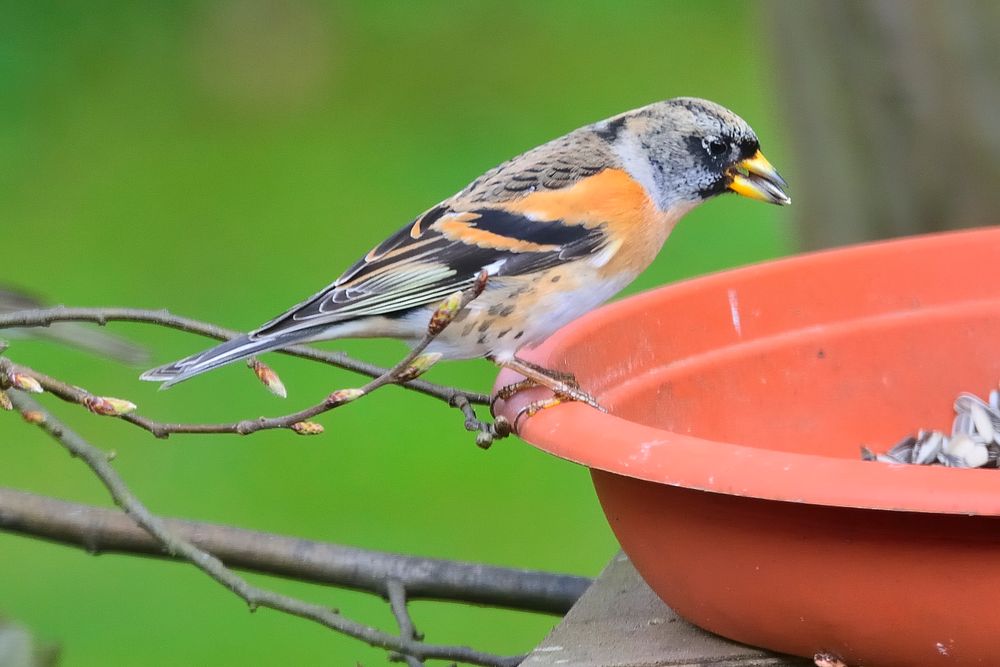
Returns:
<point x="563" y="385"/>
<point x="563" y="376"/>
<point x="507" y="391"/>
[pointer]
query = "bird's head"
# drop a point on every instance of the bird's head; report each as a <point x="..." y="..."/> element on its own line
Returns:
<point x="686" y="150"/>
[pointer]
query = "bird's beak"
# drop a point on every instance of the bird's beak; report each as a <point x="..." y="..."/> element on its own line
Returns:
<point x="756" y="178"/>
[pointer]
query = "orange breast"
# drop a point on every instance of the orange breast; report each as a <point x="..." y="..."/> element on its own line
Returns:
<point x="636" y="228"/>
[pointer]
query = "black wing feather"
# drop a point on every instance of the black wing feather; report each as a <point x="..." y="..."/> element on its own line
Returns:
<point x="420" y="265"/>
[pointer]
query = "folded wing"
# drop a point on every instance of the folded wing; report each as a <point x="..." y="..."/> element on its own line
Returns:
<point x="441" y="252"/>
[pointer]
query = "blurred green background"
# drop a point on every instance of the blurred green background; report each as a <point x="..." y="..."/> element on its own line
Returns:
<point x="225" y="160"/>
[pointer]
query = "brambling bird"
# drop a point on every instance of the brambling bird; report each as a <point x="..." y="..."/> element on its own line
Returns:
<point x="558" y="230"/>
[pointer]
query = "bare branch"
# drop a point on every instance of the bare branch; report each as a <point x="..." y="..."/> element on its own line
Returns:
<point x="254" y="596"/>
<point x="101" y="530"/>
<point x="396" y="593"/>
<point x="148" y="534"/>
<point x="486" y="432"/>
<point x="45" y="317"/>
<point x="73" y="394"/>
<point x="412" y="365"/>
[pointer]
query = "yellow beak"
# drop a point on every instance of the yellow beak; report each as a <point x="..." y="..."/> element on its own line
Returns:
<point x="756" y="178"/>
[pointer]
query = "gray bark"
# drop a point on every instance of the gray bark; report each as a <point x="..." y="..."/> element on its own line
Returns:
<point x="893" y="108"/>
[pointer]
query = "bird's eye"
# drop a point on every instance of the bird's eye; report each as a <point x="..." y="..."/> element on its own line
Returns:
<point x="715" y="146"/>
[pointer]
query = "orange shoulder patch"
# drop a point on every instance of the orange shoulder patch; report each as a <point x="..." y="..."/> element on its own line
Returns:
<point x="610" y="197"/>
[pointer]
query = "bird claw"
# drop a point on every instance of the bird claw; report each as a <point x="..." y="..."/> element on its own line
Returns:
<point x="534" y="407"/>
<point x="579" y="396"/>
<point x="509" y="391"/>
<point x="567" y="383"/>
<point x="563" y="393"/>
<point x="562" y="384"/>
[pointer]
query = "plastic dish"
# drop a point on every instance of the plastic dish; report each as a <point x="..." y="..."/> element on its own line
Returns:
<point x="729" y="468"/>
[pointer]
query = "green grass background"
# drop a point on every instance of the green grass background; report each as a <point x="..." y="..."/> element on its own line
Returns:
<point x="226" y="159"/>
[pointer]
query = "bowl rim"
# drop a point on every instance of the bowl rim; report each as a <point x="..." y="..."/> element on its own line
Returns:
<point x="665" y="457"/>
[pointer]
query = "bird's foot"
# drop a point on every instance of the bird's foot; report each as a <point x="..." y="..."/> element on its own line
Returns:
<point x="566" y="386"/>
<point x="507" y="392"/>
<point x="562" y="384"/>
<point x="534" y="407"/>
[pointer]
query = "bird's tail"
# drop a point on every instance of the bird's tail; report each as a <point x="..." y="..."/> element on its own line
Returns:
<point x="220" y="355"/>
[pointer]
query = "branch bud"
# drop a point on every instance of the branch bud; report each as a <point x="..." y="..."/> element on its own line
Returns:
<point x="267" y="377"/>
<point x="5" y="403"/>
<point x="108" y="406"/>
<point x="33" y="416"/>
<point x="445" y="313"/>
<point x="25" y="382"/>
<point x="307" y="428"/>
<point x="418" y="366"/>
<point x="342" y="396"/>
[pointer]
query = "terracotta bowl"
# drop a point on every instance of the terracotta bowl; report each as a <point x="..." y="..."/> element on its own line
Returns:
<point x="729" y="464"/>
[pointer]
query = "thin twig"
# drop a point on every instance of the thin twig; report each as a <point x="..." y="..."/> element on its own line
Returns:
<point x="74" y="394"/>
<point x="396" y="592"/>
<point x="255" y="597"/>
<point x="405" y="370"/>
<point x="102" y="530"/>
<point x="486" y="432"/>
<point x="101" y="316"/>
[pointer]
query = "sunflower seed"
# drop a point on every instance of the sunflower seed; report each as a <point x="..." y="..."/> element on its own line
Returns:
<point x="984" y="427"/>
<point x="927" y="450"/>
<point x="962" y="424"/>
<point x="965" y="401"/>
<point x="964" y="452"/>
<point x="994" y="455"/>
<point x="959" y="445"/>
<point x="902" y="451"/>
<point x="949" y="461"/>
<point x="978" y="457"/>
<point x="974" y="441"/>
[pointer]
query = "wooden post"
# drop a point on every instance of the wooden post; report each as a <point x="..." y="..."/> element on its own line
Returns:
<point x="893" y="107"/>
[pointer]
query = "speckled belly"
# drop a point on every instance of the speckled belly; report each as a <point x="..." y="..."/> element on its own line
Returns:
<point x="522" y="311"/>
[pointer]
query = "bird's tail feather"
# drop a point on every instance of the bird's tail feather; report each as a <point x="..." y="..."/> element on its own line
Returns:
<point x="212" y="358"/>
